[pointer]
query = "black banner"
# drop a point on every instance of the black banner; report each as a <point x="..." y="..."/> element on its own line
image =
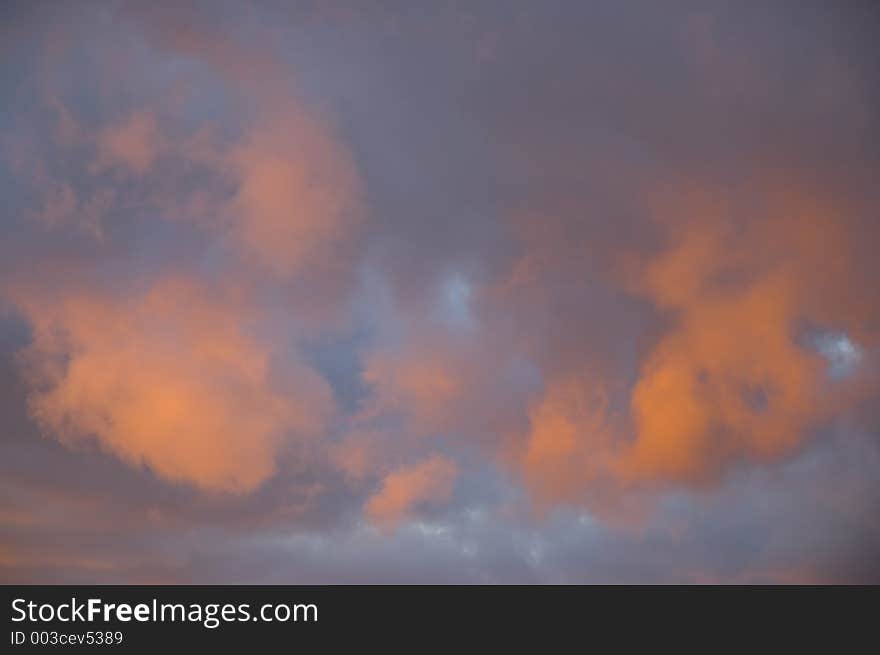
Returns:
<point x="136" y="618"/>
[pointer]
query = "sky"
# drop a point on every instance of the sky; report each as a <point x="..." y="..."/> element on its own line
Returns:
<point x="439" y="292"/>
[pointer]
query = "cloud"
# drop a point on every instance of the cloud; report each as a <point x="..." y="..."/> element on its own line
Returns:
<point x="268" y="178"/>
<point x="195" y="381"/>
<point x="431" y="480"/>
<point x="732" y="379"/>
<point x="426" y="385"/>
<point x="170" y="378"/>
<point x="296" y="202"/>
<point x="135" y="143"/>
<point x="570" y="446"/>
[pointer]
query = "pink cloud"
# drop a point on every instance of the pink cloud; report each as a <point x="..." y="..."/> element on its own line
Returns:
<point x="170" y="379"/>
<point x="431" y="480"/>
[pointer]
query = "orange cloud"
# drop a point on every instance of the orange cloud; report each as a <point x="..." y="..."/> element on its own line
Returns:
<point x="430" y="481"/>
<point x="425" y="382"/>
<point x="295" y="205"/>
<point x="134" y="143"/>
<point x="297" y="201"/>
<point x="732" y="379"/>
<point x="270" y="177"/>
<point x="570" y="445"/>
<point x="171" y="379"/>
<point x="359" y="454"/>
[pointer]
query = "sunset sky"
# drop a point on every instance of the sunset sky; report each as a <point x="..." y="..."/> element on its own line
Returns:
<point x="439" y="292"/>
